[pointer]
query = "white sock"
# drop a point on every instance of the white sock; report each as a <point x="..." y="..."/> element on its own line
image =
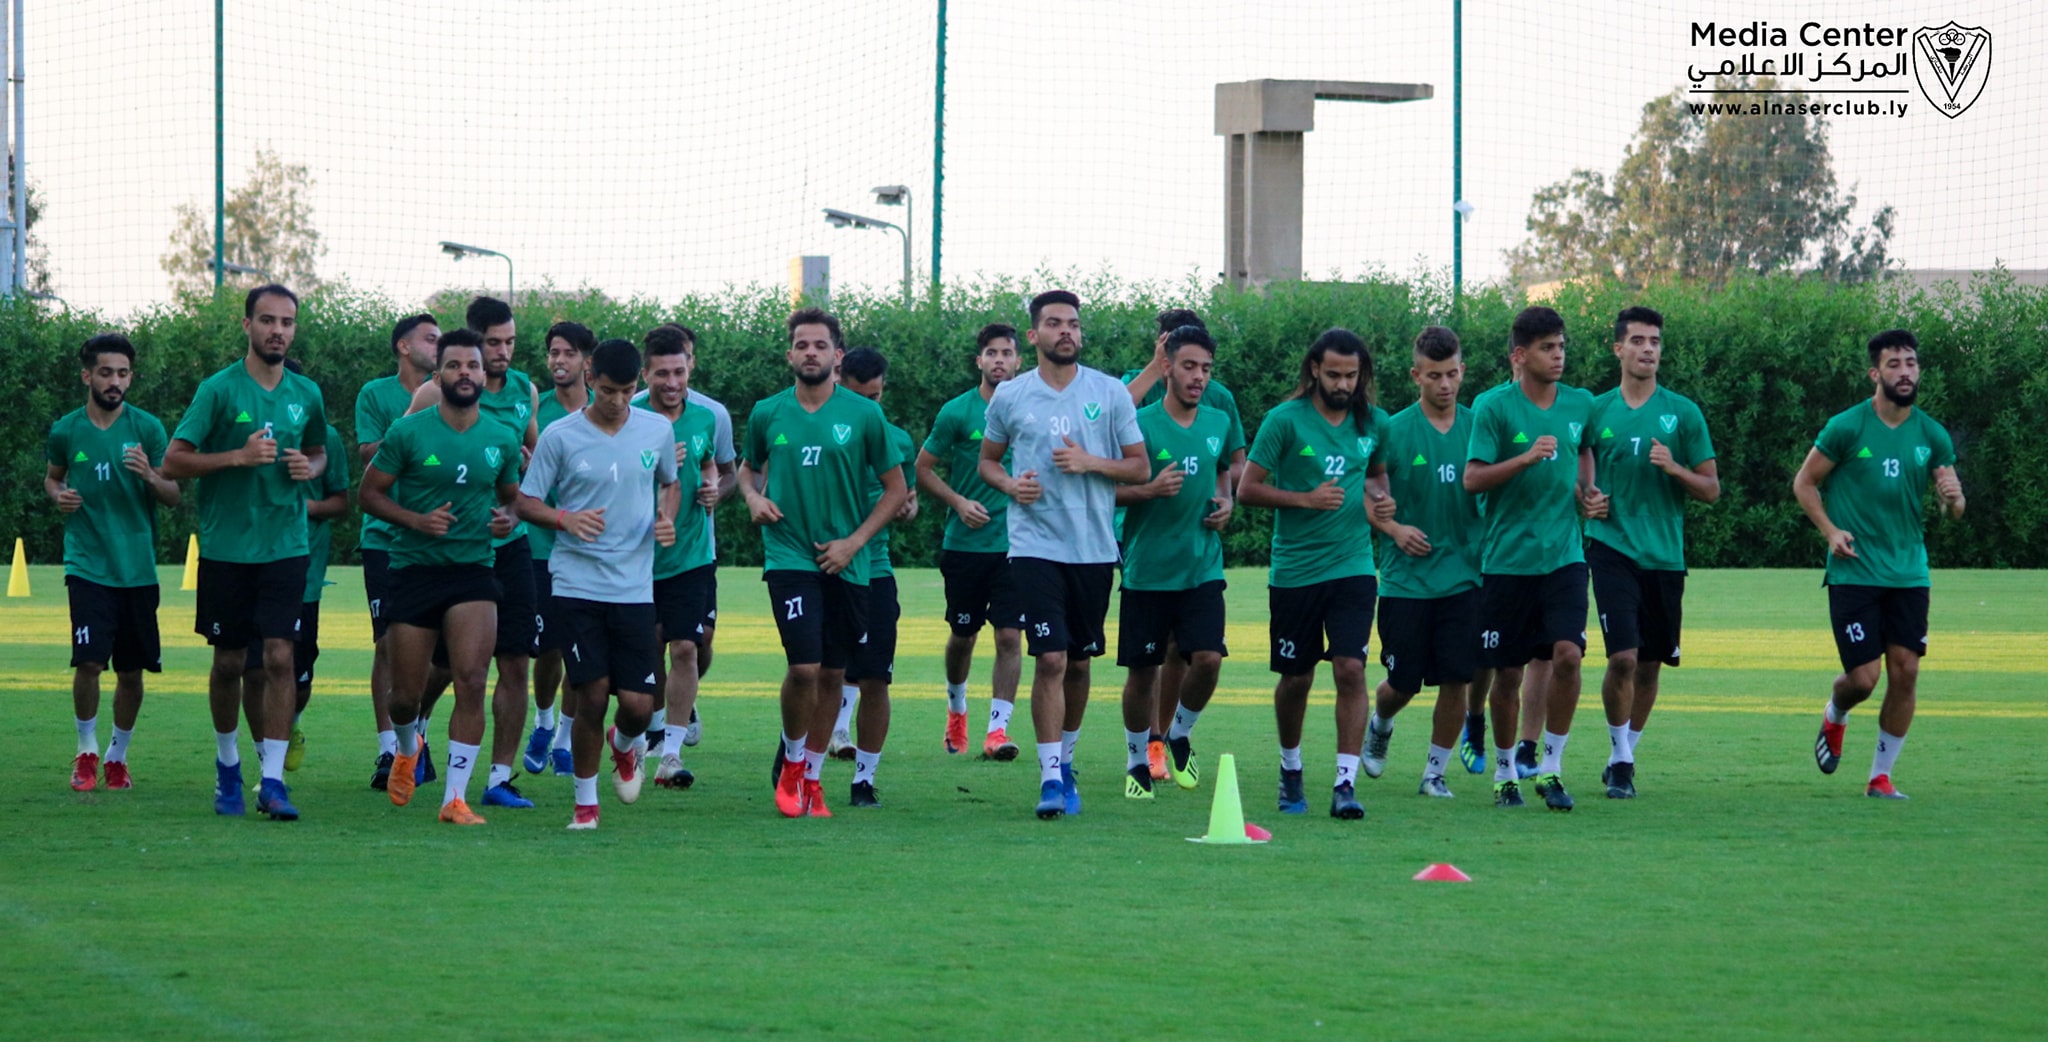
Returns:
<point x="631" y="741"/>
<point x="956" y="697"/>
<point x="999" y="715"/>
<point x="849" y="696"/>
<point x="117" y="748"/>
<point x="672" y="743"/>
<point x="1623" y="750"/>
<point x="1888" y="746"/>
<point x="1833" y="715"/>
<point x="89" y="736"/>
<point x="1634" y="735"/>
<point x="793" y="747"/>
<point x="1134" y="748"/>
<point x="1378" y="724"/>
<point x="1290" y="759"/>
<point x="1553" y="754"/>
<point x="1347" y="769"/>
<point x="562" y="733"/>
<point x="1048" y="762"/>
<point x="1183" y="722"/>
<point x="586" y="791"/>
<point x="461" y="763"/>
<point x="814" y="765"/>
<point x="272" y="754"/>
<point x="419" y="725"/>
<point x="1503" y="763"/>
<point x="407" y="740"/>
<point x="864" y="764"/>
<point x="500" y="774"/>
<point x="387" y="742"/>
<point x="1439" y="756"/>
<point x="226" y="749"/>
<point x="659" y="721"/>
<point x="545" y="718"/>
<point x="1067" y="741"/>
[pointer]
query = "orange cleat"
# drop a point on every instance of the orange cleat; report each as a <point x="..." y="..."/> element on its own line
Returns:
<point x="117" y="775"/>
<point x="997" y="746"/>
<point x="1155" y="757"/>
<point x="789" y="790"/>
<point x="457" y="812"/>
<point x="956" y="732"/>
<point x="85" y="772"/>
<point x="814" y="800"/>
<point x="404" y="776"/>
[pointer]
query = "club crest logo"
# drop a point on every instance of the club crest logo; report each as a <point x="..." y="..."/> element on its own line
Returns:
<point x="520" y="410"/>
<point x="1092" y="410"/>
<point x="1216" y="446"/>
<point x="1921" y="454"/>
<point x="1576" y="428"/>
<point x="841" y="432"/>
<point x="298" y="412"/>
<point x="1952" y="63"/>
<point x="648" y="458"/>
<point x="1668" y="421"/>
<point x="492" y="456"/>
<point x="1365" y="446"/>
<point x="696" y="446"/>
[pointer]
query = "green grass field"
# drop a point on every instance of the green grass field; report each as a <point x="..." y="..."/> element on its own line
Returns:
<point x="1743" y="895"/>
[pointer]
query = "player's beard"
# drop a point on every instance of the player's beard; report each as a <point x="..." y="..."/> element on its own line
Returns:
<point x="811" y="379"/>
<point x="1056" y="356"/>
<point x="1897" y="397"/>
<point x="272" y="354"/>
<point x="1334" y="399"/>
<point x="110" y="399"/>
<point x="461" y="394"/>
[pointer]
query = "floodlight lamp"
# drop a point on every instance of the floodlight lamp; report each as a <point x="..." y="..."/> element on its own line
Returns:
<point x="892" y="195"/>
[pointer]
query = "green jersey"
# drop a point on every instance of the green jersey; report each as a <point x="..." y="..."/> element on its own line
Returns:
<point x="818" y="465"/>
<point x="319" y="540"/>
<point x="378" y="404"/>
<point x="1426" y="478"/>
<point x="1532" y="521"/>
<point x="541" y="538"/>
<point x="901" y="443"/>
<point x="253" y="515"/>
<point x="1165" y="545"/>
<point x="111" y="538"/>
<point x="435" y="464"/>
<point x="1876" y="490"/>
<point x="1301" y="450"/>
<point x="512" y="406"/>
<point x="956" y="440"/>
<point x="695" y="431"/>
<point x="1646" y="518"/>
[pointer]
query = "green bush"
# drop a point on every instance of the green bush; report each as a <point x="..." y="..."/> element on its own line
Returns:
<point x="1768" y="360"/>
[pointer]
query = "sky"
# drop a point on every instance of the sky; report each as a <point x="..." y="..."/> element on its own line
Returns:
<point x="662" y="148"/>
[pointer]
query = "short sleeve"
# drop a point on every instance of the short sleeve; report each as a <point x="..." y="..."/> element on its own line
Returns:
<point x="1701" y="446"/>
<point x="940" y="440"/>
<point x="875" y="444"/>
<point x="1837" y="439"/>
<point x="370" y="420"/>
<point x="1485" y="445"/>
<point x="390" y="457"/>
<point x="334" y="477"/>
<point x="55" y="449"/>
<point x="665" y="459"/>
<point x="996" y="425"/>
<point x="1127" y="431"/>
<point x="540" y="470"/>
<point x="757" y="435"/>
<point x="1271" y="444"/>
<point x="1944" y="446"/>
<point x="1236" y="436"/>
<point x="316" y="415"/>
<point x="155" y="441"/>
<point x="721" y="435"/>
<point x="508" y="462"/>
<point x="1380" y="423"/>
<point x="197" y="421"/>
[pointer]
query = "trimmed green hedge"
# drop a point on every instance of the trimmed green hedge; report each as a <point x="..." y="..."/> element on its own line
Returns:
<point x="1768" y="359"/>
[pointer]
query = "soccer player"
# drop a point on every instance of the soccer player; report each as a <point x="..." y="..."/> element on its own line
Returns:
<point x="683" y="569"/>
<point x="865" y="372"/>
<point x="103" y="477"/>
<point x="611" y="471"/>
<point x="974" y="556"/>
<point x="509" y="399"/>
<point x="1649" y="453"/>
<point x="1147" y="387"/>
<point x="1172" y="599"/>
<point x="1428" y="562"/>
<point x="1532" y="606"/>
<point x="378" y="404"/>
<point x="252" y="433"/>
<point x="1862" y="485"/>
<point x="441" y="478"/>
<point x="1310" y="463"/>
<point x="810" y="452"/>
<point x="1072" y="436"/>
<point x="569" y="345"/>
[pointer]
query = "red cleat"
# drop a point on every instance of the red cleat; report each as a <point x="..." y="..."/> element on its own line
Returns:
<point x="789" y="790"/>
<point x="956" y="732"/>
<point x="1827" y="749"/>
<point x="584" y="819"/>
<point x="814" y="800"/>
<point x="117" y="776"/>
<point x="85" y="772"/>
<point x="1881" y="787"/>
<point x="626" y="772"/>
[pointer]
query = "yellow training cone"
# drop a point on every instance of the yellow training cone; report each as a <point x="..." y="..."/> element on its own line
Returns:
<point x="191" y="580"/>
<point x="17" y="576"/>
<point x="1226" y="813"/>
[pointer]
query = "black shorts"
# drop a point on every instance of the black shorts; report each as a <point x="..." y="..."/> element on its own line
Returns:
<point x="609" y="641"/>
<point x="978" y="589"/>
<point x="238" y="603"/>
<point x="821" y="617"/>
<point x="1339" y="609"/>
<point x="1641" y="609"/>
<point x="114" y="625"/>
<point x="1523" y="617"/>
<point x="1870" y="618"/>
<point x="1062" y="606"/>
<point x="711" y="602"/>
<point x="1429" y="642"/>
<point x="422" y="594"/>
<point x="875" y="657"/>
<point x="549" y="634"/>
<point x="305" y="649"/>
<point x="681" y="602"/>
<point x="377" y="587"/>
<point x="518" y="611"/>
<point x="1145" y="618"/>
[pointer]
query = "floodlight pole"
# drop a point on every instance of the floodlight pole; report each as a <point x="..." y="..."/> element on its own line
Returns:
<point x="458" y="251"/>
<point x="20" y="148"/>
<point x="1457" y="148"/>
<point x="843" y="219"/>
<point x="14" y="174"/>
<point x="939" y="152"/>
<point x="220" y="162"/>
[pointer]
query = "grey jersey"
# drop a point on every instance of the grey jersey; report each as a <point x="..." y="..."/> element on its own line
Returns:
<point x="1072" y="521"/>
<point x="584" y="469"/>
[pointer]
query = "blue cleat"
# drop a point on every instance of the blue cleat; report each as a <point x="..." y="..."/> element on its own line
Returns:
<point x="1292" y="801"/>
<point x="505" y="794"/>
<point x="1344" y="803"/>
<point x="1472" y="744"/>
<point x="424" y="773"/>
<point x="1069" y="791"/>
<point x="227" y="789"/>
<point x="276" y="800"/>
<point x="564" y="763"/>
<point x="1525" y="760"/>
<point x="536" y="759"/>
<point x="1052" y="800"/>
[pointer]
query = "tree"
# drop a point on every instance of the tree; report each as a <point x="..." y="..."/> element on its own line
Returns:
<point x="1705" y="195"/>
<point x="269" y="226"/>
